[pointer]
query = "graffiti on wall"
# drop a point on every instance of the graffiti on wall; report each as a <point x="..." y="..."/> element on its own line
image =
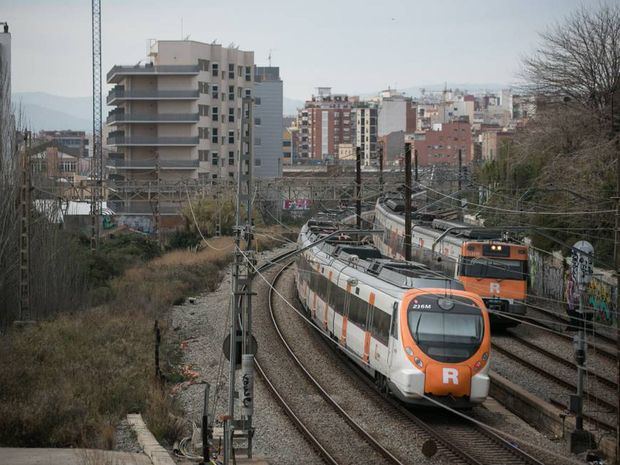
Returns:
<point x="551" y="278"/>
<point x="601" y="298"/>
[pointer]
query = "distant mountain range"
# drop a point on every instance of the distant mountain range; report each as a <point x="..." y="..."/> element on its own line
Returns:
<point x="40" y="110"/>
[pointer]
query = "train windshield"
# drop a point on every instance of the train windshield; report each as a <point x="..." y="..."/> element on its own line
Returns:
<point x="497" y="268"/>
<point x="447" y="330"/>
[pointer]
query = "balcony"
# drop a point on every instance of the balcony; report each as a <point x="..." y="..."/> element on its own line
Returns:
<point x="119" y="72"/>
<point x="116" y="95"/>
<point x="151" y="164"/>
<point x="152" y="118"/>
<point x="145" y="141"/>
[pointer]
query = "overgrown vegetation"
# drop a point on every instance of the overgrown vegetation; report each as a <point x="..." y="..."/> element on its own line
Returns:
<point x="564" y="159"/>
<point x="69" y="380"/>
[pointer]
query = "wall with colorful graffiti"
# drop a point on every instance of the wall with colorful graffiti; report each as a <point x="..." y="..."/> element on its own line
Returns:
<point x="550" y="278"/>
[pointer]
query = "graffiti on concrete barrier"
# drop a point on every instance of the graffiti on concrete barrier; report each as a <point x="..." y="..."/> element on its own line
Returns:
<point x="550" y="278"/>
<point x="600" y="300"/>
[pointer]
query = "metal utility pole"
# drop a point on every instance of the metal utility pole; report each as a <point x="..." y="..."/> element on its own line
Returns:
<point x="157" y="206"/>
<point x="241" y="305"/>
<point x="97" y="161"/>
<point x="24" y="236"/>
<point x="460" y="169"/>
<point x="415" y="165"/>
<point x="381" y="169"/>
<point x="407" y="199"/>
<point x="358" y="187"/>
<point x="581" y="270"/>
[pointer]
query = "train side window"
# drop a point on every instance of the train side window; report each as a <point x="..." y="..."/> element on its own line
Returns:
<point x="358" y="310"/>
<point x="394" y="328"/>
<point x="380" y="327"/>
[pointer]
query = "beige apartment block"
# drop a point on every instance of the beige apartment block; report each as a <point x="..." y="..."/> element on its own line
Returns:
<point x="178" y="115"/>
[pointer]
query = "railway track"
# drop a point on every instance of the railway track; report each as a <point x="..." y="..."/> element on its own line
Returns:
<point x="475" y="446"/>
<point x="608" y="351"/>
<point x="344" y="435"/>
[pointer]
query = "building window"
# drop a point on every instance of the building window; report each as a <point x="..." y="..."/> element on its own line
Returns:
<point x="231" y="175"/>
<point x="248" y="92"/>
<point x="203" y="133"/>
<point x="214" y="136"/>
<point x="215" y="90"/>
<point x="257" y="101"/>
<point x="257" y="141"/>
<point x="231" y="92"/>
<point x="203" y="87"/>
<point x="231" y="158"/>
<point x="203" y="65"/>
<point x="248" y="73"/>
<point x="215" y="69"/>
<point x="215" y="113"/>
<point x="231" y="137"/>
<point x="215" y="161"/>
<point x="257" y="121"/>
<point x="203" y="110"/>
<point x="231" y="115"/>
<point x="231" y="71"/>
<point x="203" y="155"/>
<point x="257" y="162"/>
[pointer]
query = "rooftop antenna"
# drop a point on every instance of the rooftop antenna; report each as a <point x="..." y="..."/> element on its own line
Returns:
<point x="269" y="58"/>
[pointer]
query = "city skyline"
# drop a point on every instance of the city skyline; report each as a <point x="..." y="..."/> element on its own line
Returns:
<point x="404" y="45"/>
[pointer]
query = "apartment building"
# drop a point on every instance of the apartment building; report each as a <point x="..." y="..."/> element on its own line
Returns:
<point x="366" y="132"/>
<point x="396" y="113"/>
<point x="180" y="114"/>
<point x="325" y="122"/>
<point x="77" y="142"/>
<point x="441" y="144"/>
<point x="268" y="101"/>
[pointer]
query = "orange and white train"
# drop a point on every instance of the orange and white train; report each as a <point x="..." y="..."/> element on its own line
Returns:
<point x="417" y="333"/>
<point x="486" y="265"/>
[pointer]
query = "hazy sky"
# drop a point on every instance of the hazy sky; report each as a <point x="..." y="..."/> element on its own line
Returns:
<point x="352" y="46"/>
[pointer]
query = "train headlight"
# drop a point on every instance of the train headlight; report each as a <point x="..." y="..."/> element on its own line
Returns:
<point x="409" y="351"/>
<point x="445" y="304"/>
<point x="418" y="362"/>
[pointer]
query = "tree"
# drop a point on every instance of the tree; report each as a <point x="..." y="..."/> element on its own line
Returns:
<point x="561" y="160"/>
<point x="578" y="63"/>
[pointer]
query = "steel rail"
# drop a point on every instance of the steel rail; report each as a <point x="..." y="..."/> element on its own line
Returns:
<point x="368" y="437"/>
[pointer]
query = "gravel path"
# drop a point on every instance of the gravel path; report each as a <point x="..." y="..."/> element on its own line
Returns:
<point x="204" y="326"/>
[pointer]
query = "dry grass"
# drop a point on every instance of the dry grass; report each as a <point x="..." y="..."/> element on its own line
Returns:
<point x="68" y="381"/>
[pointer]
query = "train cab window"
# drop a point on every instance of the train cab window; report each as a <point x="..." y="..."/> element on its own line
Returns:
<point x="450" y="334"/>
<point x="497" y="268"/>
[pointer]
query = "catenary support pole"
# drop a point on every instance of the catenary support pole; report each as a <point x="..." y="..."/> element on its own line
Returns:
<point x="381" y="169"/>
<point x="415" y="165"/>
<point x="358" y="187"/>
<point x="460" y="175"/>
<point x="407" y="199"/>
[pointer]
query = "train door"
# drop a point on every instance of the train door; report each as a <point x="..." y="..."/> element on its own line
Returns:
<point x="340" y="323"/>
<point x="394" y="338"/>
